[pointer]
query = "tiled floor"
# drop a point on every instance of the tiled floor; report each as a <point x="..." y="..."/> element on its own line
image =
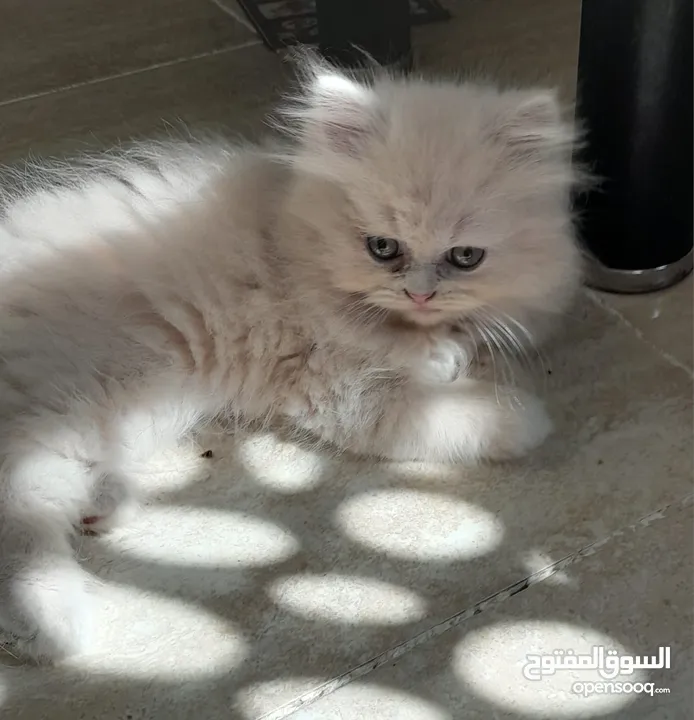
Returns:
<point x="289" y="582"/>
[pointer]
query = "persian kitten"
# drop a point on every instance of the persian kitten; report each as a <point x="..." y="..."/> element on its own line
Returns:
<point x="341" y="282"/>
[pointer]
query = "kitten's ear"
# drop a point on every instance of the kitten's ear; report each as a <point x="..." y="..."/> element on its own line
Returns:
<point x="533" y="123"/>
<point x="336" y="113"/>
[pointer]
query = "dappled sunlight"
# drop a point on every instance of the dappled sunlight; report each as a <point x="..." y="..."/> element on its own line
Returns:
<point x="281" y="466"/>
<point x="361" y="700"/>
<point x="251" y="593"/>
<point x="348" y="599"/>
<point x="156" y="637"/>
<point x="490" y="663"/>
<point x="258" y="699"/>
<point x="535" y="561"/>
<point x="417" y="525"/>
<point x="204" y="537"/>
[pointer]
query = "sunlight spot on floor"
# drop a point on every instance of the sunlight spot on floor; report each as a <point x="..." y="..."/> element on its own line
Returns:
<point x="536" y="561"/>
<point x="491" y="663"/>
<point x="283" y="467"/>
<point x="165" y="638"/>
<point x="416" y="525"/>
<point x="362" y="700"/>
<point x="257" y="699"/>
<point x="204" y="537"/>
<point x="346" y="598"/>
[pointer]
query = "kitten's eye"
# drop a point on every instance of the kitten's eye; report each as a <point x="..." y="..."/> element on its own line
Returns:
<point x="466" y="258"/>
<point x="383" y="248"/>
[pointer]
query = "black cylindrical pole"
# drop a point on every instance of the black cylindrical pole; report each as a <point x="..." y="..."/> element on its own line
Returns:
<point x="635" y="98"/>
<point x="381" y="28"/>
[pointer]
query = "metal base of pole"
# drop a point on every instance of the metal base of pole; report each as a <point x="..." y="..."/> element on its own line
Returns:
<point x="635" y="99"/>
<point x="601" y="277"/>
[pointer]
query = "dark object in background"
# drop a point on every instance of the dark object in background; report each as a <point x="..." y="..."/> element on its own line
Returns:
<point x="379" y="27"/>
<point x="635" y="97"/>
<point x="282" y="23"/>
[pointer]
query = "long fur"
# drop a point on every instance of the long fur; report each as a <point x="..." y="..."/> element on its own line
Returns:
<point x="144" y="292"/>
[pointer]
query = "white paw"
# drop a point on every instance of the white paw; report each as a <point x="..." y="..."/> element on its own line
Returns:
<point x="445" y="362"/>
<point x="523" y="425"/>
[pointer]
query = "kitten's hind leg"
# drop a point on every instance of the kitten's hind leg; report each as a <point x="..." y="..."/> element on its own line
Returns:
<point x="459" y="422"/>
<point x="44" y="607"/>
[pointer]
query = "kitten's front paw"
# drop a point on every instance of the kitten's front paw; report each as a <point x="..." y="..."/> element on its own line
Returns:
<point x="523" y="425"/>
<point x="444" y="363"/>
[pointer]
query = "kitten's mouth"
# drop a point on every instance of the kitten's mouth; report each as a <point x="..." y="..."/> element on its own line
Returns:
<point x="425" y="316"/>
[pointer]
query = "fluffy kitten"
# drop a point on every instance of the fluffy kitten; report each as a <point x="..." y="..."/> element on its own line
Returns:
<point x="339" y="282"/>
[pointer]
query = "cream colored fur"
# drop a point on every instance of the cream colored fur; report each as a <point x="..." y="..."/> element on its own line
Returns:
<point x="143" y="294"/>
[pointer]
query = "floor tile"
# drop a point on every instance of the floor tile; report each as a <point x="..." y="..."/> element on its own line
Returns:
<point x="510" y="41"/>
<point x="665" y="319"/>
<point x="629" y="596"/>
<point x="231" y="90"/>
<point x="52" y="43"/>
<point x="287" y="568"/>
<point x="232" y="596"/>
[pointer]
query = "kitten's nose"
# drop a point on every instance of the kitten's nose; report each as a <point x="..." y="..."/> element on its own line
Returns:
<point x="420" y="298"/>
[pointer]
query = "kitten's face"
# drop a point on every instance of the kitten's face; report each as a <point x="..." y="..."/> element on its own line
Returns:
<point x="440" y="202"/>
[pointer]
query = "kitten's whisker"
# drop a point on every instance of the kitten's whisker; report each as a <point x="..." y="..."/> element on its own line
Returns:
<point x="481" y="330"/>
<point x="512" y="341"/>
<point x="372" y="316"/>
<point x="530" y="341"/>
<point x="500" y="343"/>
<point x="506" y="355"/>
<point x="361" y="313"/>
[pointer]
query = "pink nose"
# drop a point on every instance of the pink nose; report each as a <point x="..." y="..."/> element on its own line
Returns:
<point x="420" y="298"/>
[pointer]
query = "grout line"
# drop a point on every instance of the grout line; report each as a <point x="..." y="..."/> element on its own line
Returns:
<point x="600" y="302"/>
<point x="235" y="14"/>
<point x="130" y="73"/>
<point x="489" y="602"/>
